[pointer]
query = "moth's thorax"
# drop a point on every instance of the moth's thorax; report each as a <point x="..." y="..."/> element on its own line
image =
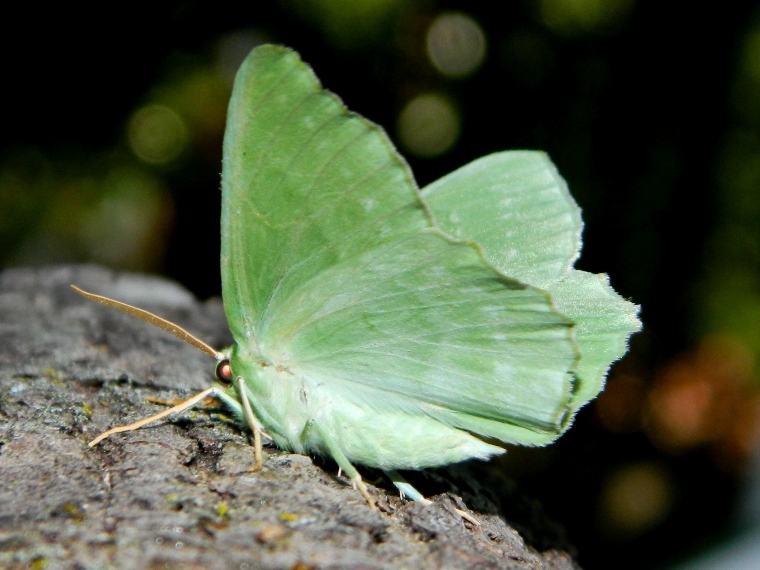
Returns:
<point x="278" y="396"/>
<point x="244" y="361"/>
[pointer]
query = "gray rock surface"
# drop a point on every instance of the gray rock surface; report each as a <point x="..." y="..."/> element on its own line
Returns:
<point x="179" y="494"/>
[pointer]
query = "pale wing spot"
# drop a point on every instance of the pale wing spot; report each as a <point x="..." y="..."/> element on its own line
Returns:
<point x="369" y="204"/>
<point x="504" y="372"/>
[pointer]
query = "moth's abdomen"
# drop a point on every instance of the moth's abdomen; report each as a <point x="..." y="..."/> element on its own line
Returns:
<point x="391" y="439"/>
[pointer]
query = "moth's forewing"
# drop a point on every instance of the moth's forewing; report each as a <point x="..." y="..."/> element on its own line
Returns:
<point x="305" y="184"/>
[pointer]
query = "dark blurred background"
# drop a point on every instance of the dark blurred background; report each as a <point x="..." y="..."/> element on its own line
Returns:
<point x="110" y="152"/>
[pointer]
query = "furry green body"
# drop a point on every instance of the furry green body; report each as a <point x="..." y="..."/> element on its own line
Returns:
<point x="376" y="436"/>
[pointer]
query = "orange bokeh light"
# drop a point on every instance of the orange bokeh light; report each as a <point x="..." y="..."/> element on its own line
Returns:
<point x="706" y="397"/>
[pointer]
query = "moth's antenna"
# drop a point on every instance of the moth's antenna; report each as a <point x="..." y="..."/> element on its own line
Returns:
<point x="155" y="320"/>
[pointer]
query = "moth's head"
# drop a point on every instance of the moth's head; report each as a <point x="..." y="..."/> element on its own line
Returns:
<point x="224" y="372"/>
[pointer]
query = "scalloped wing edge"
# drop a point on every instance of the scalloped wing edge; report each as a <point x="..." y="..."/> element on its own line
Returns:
<point x="603" y="322"/>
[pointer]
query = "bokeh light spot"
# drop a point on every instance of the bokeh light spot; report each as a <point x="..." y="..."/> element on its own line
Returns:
<point x="428" y="125"/>
<point x="707" y="397"/>
<point x="126" y="227"/>
<point x="157" y="134"/>
<point x="577" y="17"/>
<point x="635" y="498"/>
<point x="456" y="44"/>
<point x="349" y="23"/>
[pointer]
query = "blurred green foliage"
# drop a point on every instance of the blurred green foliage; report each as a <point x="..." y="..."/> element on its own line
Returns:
<point x="729" y="295"/>
<point x="105" y="209"/>
<point x="349" y="23"/>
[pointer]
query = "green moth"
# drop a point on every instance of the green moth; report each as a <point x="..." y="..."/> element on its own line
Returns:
<point x="383" y="325"/>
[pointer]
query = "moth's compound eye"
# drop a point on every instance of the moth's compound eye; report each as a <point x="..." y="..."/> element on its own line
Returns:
<point x="224" y="371"/>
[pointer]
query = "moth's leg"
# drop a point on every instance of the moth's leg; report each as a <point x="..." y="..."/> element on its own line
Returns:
<point x="178" y="408"/>
<point x="237" y="408"/>
<point x="253" y="423"/>
<point x="341" y="459"/>
<point x="405" y="487"/>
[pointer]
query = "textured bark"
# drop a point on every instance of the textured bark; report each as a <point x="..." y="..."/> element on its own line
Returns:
<point x="179" y="494"/>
